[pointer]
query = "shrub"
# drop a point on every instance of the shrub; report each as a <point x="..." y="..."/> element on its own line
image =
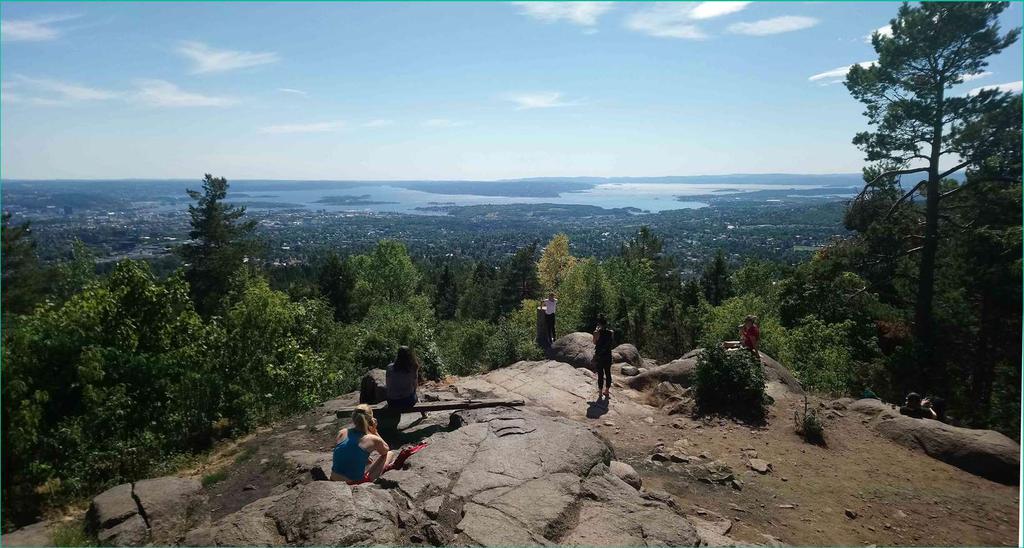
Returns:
<point x="731" y="383"/>
<point x="808" y="425"/>
<point x="214" y="477"/>
<point x="513" y="339"/>
<point x="463" y="345"/>
<point x="818" y="355"/>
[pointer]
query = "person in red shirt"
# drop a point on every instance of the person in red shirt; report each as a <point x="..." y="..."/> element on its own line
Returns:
<point x="750" y="334"/>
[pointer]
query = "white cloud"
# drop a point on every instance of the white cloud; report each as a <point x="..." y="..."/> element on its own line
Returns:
<point x="46" y="92"/>
<point x="316" y="127"/>
<point x="578" y="13"/>
<point x="26" y="30"/>
<point x="380" y="122"/>
<point x="666" y="20"/>
<point x="208" y="60"/>
<point x="547" y="99"/>
<point x="159" y="93"/>
<point x="1011" y="87"/>
<point x="775" y="25"/>
<point x="709" y="10"/>
<point x="839" y="73"/>
<point x="442" y="122"/>
<point x="884" y="31"/>
<point x="975" y="76"/>
<point x="293" y="91"/>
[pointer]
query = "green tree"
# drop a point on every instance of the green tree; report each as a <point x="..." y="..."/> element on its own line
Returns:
<point x="386" y="275"/>
<point x="220" y="241"/>
<point x="336" y="280"/>
<point x="933" y="47"/>
<point x="556" y="262"/>
<point x="446" y="295"/>
<point x="715" y="279"/>
<point x="21" y="270"/>
<point x="519" y="278"/>
<point x="479" y="300"/>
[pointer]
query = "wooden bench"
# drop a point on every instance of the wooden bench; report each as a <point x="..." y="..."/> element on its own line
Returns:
<point x="428" y="406"/>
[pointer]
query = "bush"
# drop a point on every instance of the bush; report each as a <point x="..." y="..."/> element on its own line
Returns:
<point x="214" y="477"/>
<point x="731" y="383"/>
<point x="817" y="353"/>
<point x="513" y="338"/>
<point x="809" y="425"/>
<point x="463" y="345"/>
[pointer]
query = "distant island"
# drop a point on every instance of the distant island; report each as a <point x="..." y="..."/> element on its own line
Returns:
<point x="351" y="200"/>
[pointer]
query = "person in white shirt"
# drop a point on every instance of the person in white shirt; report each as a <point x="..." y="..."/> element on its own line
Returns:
<point x="549" y="314"/>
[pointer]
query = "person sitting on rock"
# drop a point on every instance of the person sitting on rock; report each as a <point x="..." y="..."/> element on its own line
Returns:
<point x="353" y="448"/>
<point x="402" y="378"/>
<point x="750" y="334"/>
<point x="603" y="342"/>
<point x="914" y="408"/>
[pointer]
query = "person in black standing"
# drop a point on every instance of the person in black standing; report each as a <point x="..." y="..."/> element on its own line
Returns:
<point x="603" y="338"/>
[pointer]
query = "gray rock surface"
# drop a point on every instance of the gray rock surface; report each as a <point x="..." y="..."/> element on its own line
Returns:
<point x="679" y="372"/>
<point x="986" y="453"/>
<point x="505" y="476"/>
<point x="157" y="511"/>
<point x="575" y="349"/>
<point x="373" y="387"/>
<point x="37" y="534"/>
<point x="629" y="371"/>
<point x="625" y="473"/>
<point x="627" y="353"/>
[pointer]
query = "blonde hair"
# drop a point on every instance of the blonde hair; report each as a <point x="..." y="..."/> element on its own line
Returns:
<point x="362" y="416"/>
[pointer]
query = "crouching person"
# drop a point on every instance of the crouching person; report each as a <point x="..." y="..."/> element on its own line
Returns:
<point x="354" y="447"/>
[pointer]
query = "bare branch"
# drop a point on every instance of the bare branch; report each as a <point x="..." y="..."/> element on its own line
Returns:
<point x="953" y="170"/>
<point x="891" y="173"/>
<point x="904" y="197"/>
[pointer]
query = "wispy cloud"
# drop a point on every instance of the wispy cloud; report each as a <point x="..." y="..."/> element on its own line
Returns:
<point x="32" y="30"/>
<point x="884" y="31"/>
<point x="666" y="20"/>
<point x="293" y="91"/>
<point x="976" y="76"/>
<point x="710" y="10"/>
<point x="380" y="122"/>
<point x="443" y="123"/>
<point x="775" y="25"/>
<point x="546" y="99"/>
<point x="837" y="74"/>
<point x="160" y="93"/>
<point x="1011" y="87"/>
<point x="47" y="92"/>
<point x="578" y="13"/>
<point x="316" y="127"/>
<point x="207" y="59"/>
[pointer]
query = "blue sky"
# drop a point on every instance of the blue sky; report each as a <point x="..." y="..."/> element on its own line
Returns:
<point x="436" y="90"/>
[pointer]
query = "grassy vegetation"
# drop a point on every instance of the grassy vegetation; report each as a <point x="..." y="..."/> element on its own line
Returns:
<point x="73" y="533"/>
<point x="214" y="477"/>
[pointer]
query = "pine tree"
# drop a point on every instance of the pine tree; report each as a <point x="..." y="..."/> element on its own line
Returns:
<point x="715" y="280"/>
<point x="337" y="280"/>
<point x="21" y="282"/>
<point x="220" y="242"/>
<point x="933" y="47"/>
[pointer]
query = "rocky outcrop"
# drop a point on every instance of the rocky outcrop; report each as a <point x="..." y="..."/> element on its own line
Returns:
<point x="152" y="511"/>
<point x="37" y="534"/>
<point x="551" y="385"/>
<point x="627" y="353"/>
<point x="575" y="349"/>
<point x="985" y="453"/>
<point x="683" y="371"/>
<point x="505" y="476"/>
<point x="679" y="372"/>
<point x="625" y="473"/>
<point x="373" y="387"/>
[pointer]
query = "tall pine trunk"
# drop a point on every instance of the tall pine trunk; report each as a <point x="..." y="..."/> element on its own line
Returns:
<point x="924" y="329"/>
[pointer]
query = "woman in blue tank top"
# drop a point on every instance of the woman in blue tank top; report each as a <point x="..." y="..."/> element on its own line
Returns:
<point x="353" y="447"/>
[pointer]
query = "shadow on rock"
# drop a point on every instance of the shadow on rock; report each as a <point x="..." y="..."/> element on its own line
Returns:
<point x="597" y="408"/>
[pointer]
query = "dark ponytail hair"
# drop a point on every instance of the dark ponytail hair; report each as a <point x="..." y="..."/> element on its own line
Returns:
<point x="406" y="360"/>
<point x="602" y="321"/>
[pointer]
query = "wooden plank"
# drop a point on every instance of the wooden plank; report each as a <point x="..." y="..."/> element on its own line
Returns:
<point x="428" y="406"/>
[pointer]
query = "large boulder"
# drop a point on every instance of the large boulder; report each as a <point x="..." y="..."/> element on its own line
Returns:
<point x="627" y="353"/>
<point x="373" y="387"/>
<point x="37" y="534"/>
<point x="555" y="386"/>
<point x="157" y="511"/>
<point x="320" y="513"/>
<point x="681" y="372"/>
<point x="986" y="453"/>
<point x="575" y="349"/>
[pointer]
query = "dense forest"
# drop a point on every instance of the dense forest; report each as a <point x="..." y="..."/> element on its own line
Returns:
<point x="111" y="376"/>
